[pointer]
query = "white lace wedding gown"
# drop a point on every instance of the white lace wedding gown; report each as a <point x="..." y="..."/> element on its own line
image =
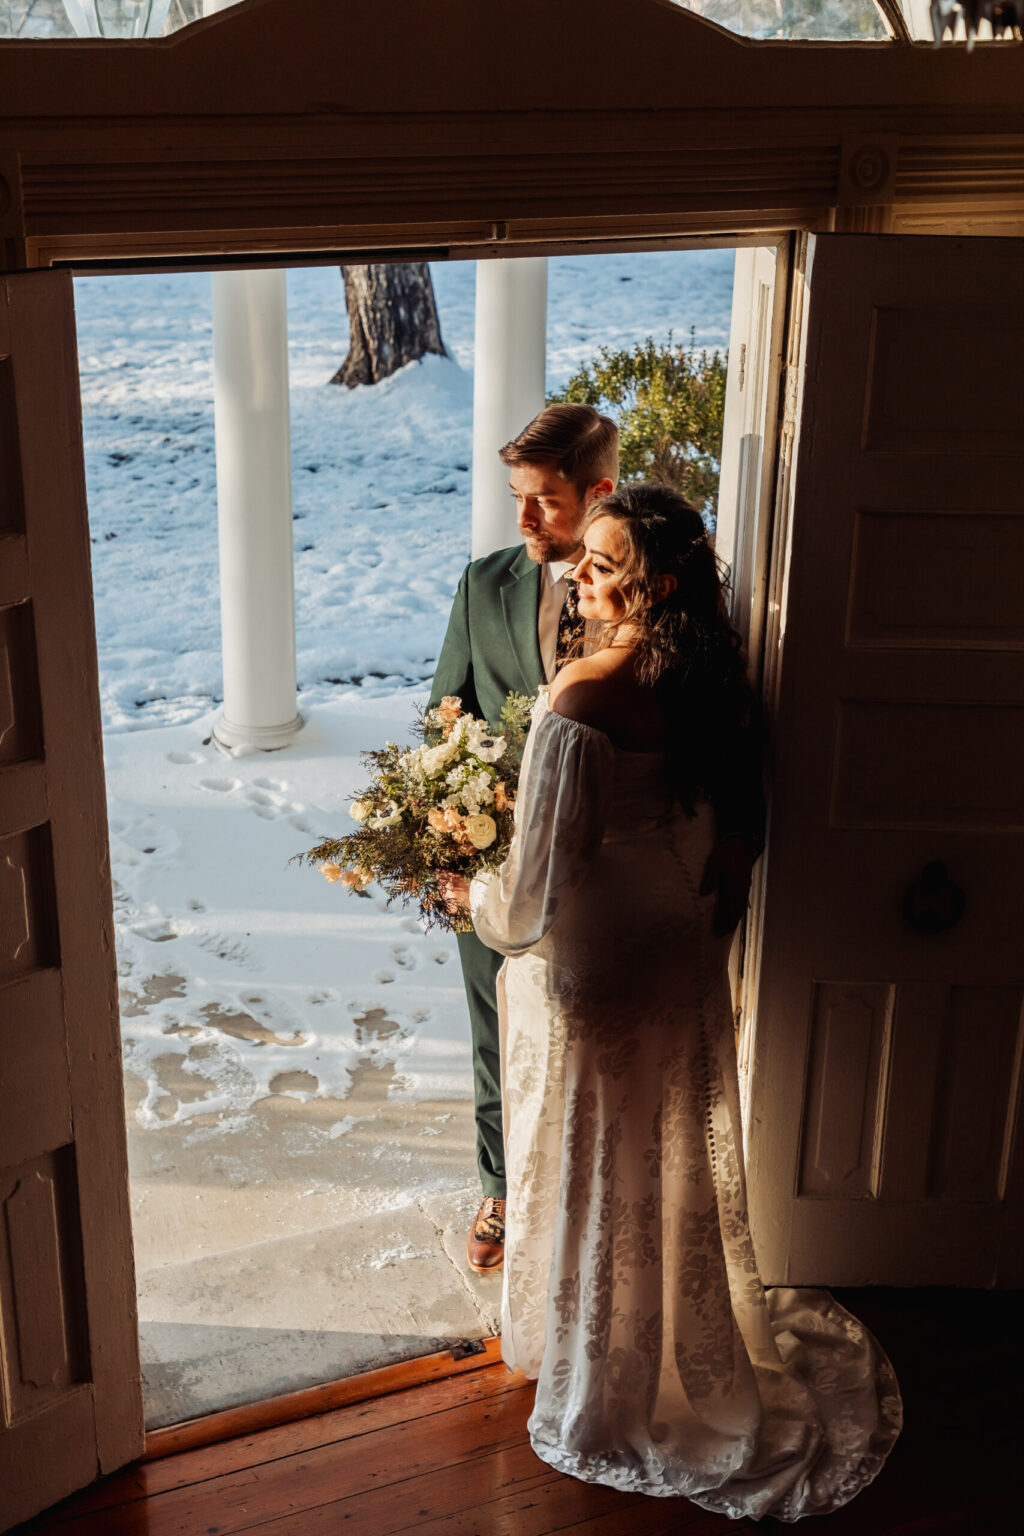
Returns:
<point x="631" y="1290"/>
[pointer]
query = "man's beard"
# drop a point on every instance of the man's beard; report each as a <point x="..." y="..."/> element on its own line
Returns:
<point x="541" y="549"/>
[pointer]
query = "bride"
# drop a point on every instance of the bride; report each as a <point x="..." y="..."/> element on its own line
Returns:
<point x="631" y="1289"/>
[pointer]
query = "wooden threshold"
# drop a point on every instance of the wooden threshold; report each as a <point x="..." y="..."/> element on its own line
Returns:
<point x="251" y="1418"/>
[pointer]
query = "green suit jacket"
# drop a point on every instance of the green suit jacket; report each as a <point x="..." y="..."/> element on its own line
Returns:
<point x="491" y="648"/>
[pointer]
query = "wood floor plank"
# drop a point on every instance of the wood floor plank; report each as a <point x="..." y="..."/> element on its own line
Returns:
<point x="564" y="1505"/>
<point x="548" y="1504"/>
<point x="536" y="1509"/>
<point x="658" y="1517"/>
<point x="310" y="1478"/>
<point x="509" y="1493"/>
<point x="407" y="1505"/>
<point x="189" y="1467"/>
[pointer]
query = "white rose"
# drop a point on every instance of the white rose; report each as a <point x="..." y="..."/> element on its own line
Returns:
<point x="433" y="759"/>
<point x="393" y="814"/>
<point x="481" y="830"/>
<point x="359" y="810"/>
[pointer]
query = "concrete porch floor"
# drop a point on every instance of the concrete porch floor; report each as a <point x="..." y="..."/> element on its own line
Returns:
<point x="314" y="1241"/>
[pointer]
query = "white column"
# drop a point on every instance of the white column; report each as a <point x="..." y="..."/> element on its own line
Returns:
<point x="508" y="384"/>
<point x="254" y="510"/>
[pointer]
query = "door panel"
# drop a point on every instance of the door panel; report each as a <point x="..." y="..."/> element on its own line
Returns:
<point x="70" y="1402"/>
<point x="885" y="1086"/>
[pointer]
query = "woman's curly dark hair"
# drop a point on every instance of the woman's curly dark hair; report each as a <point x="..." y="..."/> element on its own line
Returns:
<point x="686" y="645"/>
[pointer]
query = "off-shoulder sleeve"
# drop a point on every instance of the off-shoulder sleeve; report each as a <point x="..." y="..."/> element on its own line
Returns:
<point x="561" y="808"/>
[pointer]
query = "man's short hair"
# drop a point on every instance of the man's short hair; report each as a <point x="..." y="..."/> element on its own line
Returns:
<point x="582" y="445"/>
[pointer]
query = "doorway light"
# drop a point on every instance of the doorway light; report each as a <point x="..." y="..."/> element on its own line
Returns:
<point x="117" y="18"/>
<point x="864" y="21"/>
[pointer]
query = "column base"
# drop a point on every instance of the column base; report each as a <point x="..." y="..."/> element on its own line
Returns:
<point x="261" y="738"/>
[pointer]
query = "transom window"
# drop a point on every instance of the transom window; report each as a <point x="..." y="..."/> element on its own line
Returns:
<point x="851" y="21"/>
<point x="846" y="21"/>
<point x="36" y="20"/>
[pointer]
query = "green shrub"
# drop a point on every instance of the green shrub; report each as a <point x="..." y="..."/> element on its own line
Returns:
<point x="669" y="401"/>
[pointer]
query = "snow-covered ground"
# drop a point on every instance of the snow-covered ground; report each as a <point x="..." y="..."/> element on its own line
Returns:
<point x="381" y="477"/>
<point x="212" y="925"/>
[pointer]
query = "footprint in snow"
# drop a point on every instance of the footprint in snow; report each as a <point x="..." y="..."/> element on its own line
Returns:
<point x="141" y="837"/>
<point x="404" y="957"/>
<point x="195" y="905"/>
<point x="158" y="930"/>
<point x="383" y="977"/>
<point x="278" y="784"/>
<point x="184" y="758"/>
<point x="301" y="823"/>
<point x="220" y="786"/>
<point x="225" y="948"/>
<point x="267" y="803"/>
<point x="440" y="957"/>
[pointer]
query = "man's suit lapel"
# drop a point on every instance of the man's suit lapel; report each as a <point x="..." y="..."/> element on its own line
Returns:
<point x="520" y="600"/>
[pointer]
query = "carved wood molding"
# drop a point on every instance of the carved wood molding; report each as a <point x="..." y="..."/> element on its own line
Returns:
<point x="135" y="205"/>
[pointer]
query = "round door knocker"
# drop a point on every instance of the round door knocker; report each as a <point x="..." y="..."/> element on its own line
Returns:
<point x="934" y="902"/>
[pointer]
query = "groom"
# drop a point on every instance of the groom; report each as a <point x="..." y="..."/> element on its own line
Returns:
<point x="513" y="620"/>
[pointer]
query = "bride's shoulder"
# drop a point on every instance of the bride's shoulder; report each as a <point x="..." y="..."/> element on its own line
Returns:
<point x="583" y="691"/>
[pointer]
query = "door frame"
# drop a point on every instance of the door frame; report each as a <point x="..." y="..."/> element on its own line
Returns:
<point x="759" y="504"/>
<point x="774" y="505"/>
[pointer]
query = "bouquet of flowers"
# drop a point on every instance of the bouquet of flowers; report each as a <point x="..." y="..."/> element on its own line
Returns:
<point x="441" y="808"/>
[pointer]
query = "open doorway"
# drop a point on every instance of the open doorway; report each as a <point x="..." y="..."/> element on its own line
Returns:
<point x="297" y="1059"/>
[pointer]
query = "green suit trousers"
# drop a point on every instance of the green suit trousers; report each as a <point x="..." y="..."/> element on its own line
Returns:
<point x="491" y="650"/>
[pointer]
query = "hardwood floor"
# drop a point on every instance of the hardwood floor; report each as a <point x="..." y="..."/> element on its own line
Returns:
<point x="451" y="1457"/>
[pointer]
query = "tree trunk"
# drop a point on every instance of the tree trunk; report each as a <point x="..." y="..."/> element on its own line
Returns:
<point x="392" y="320"/>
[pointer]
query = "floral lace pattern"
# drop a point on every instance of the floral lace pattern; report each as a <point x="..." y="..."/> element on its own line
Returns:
<point x="631" y="1289"/>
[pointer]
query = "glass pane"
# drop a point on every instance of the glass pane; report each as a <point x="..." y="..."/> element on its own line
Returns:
<point x="917" y="14"/>
<point x="112" y="19"/>
<point x="853" y="21"/>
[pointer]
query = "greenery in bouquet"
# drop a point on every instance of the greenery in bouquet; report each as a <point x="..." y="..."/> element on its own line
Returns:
<point x="443" y="807"/>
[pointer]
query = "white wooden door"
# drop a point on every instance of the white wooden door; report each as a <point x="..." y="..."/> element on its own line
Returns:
<point x="748" y="442"/>
<point x="885" y="1089"/>
<point x="70" y="1399"/>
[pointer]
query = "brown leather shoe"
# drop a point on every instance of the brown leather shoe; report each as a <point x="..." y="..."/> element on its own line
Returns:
<point x="486" y="1246"/>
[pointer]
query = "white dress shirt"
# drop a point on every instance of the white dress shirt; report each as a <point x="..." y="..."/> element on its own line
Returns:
<point x="552" y="596"/>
